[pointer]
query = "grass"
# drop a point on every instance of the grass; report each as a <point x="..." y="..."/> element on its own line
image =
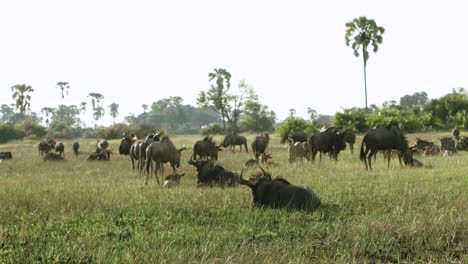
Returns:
<point x="86" y="212"/>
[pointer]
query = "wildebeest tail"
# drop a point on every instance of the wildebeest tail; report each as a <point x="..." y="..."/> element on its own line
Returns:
<point x="362" y="155"/>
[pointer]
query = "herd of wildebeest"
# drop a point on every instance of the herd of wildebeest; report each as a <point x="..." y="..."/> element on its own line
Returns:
<point x="266" y="191"/>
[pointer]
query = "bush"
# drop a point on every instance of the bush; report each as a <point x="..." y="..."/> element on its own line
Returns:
<point x="296" y="124"/>
<point x="212" y="128"/>
<point x="31" y="128"/>
<point x="9" y="132"/>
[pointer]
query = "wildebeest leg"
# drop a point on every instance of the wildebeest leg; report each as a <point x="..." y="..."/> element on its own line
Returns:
<point x="373" y="152"/>
<point x="351" y="147"/>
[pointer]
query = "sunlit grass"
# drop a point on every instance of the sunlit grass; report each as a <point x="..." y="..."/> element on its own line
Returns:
<point x="78" y="211"/>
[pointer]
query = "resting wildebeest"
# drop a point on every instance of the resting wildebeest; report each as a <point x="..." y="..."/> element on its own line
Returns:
<point x="462" y="143"/>
<point x="206" y="148"/>
<point x="101" y="155"/>
<point x="260" y="144"/>
<point x="76" y="147"/>
<point x="45" y="146"/>
<point x="210" y="175"/>
<point x="102" y="145"/>
<point x="60" y="148"/>
<point x="5" y="155"/>
<point x="447" y="143"/>
<point x="173" y="180"/>
<point x="52" y="156"/>
<point x="384" y="138"/>
<point x="161" y="152"/>
<point x="279" y="193"/>
<point x="232" y="140"/>
<point x="298" y="150"/>
<point x="330" y="140"/>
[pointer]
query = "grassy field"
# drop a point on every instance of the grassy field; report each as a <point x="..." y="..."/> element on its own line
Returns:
<point x="101" y="212"/>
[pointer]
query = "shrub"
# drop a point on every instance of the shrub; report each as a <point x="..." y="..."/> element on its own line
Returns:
<point x="212" y="128"/>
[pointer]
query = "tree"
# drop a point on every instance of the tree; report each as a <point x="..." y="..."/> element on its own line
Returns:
<point x="114" y="111"/>
<point x="363" y="32"/>
<point x="64" y="87"/>
<point x="292" y="113"/>
<point x="7" y="113"/>
<point x="312" y="113"/>
<point x="217" y="96"/>
<point x="98" y="110"/>
<point x="145" y="107"/>
<point x="415" y="101"/>
<point x="47" y="111"/>
<point x="22" y="97"/>
<point x="256" y="117"/>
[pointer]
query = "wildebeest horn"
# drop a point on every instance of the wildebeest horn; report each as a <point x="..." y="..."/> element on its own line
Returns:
<point x="263" y="171"/>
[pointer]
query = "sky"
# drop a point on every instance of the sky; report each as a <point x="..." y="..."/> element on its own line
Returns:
<point x="293" y="53"/>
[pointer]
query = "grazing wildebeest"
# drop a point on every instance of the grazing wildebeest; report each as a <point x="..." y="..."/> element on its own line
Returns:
<point x="330" y="140"/>
<point x="232" y="140"/>
<point x="209" y="174"/>
<point x="60" y="148"/>
<point x="76" y="147"/>
<point x="279" y="193"/>
<point x="447" y="143"/>
<point x="45" y="146"/>
<point x="295" y="136"/>
<point x="206" y="149"/>
<point x="298" y="150"/>
<point x="385" y="138"/>
<point x="6" y="155"/>
<point x="456" y="133"/>
<point x="173" y="180"/>
<point x="161" y="152"/>
<point x="462" y="143"/>
<point x="260" y="144"/>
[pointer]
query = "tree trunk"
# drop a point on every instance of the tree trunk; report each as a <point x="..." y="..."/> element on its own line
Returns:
<point x="365" y="79"/>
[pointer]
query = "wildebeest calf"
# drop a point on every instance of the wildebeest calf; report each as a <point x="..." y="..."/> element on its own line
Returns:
<point x="173" y="180"/>
<point x="210" y="175"/>
<point x="5" y="155"/>
<point x="298" y="150"/>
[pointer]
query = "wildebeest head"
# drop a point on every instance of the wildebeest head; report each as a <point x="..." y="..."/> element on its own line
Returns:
<point x="173" y="180"/>
<point x="5" y="155"/>
<point x="206" y="148"/>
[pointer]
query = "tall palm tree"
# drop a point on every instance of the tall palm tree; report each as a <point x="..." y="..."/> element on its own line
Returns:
<point x="64" y="87"/>
<point x="98" y="110"/>
<point x="145" y="107"/>
<point x="47" y="111"/>
<point x="22" y="97"/>
<point x="114" y="111"/>
<point x="363" y="32"/>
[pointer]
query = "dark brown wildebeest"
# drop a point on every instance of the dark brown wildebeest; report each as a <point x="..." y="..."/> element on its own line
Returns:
<point x="350" y="138"/>
<point x="60" y="148"/>
<point x="101" y="155"/>
<point x="260" y="144"/>
<point x="232" y="140"/>
<point x="462" y="143"/>
<point x="292" y="137"/>
<point x="331" y="140"/>
<point x="161" y="152"/>
<point x="76" y="148"/>
<point x="279" y="193"/>
<point x="206" y="149"/>
<point x="385" y="138"/>
<point x="52" y="156"/>
<point x="209" y="174"/>
<point x="45" y="146"/>
<point x="6" y="155"/>
<point x="447" y="143"/>
<point x="298" y="150"/>
<point x="173" y="180"/>
<point x="128" y="147"/>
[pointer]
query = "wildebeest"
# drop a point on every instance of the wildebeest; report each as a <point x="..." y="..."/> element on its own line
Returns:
<point x="209" y="174"/>
<point x="76" y="147"/>
<point x="125" y="144"/>
<point x="350" y="138"/>
<point x="140" y="149"/>
<point x="295" y="136"/>
<point x="264" y="159"/>
<point x="260" y="144"/>
<point x="173" y="180"/>
<point x="232" y="140"/>
<point x="52" y="156"/>
<point x="385" y="138"/>
<point x="279" y="193"/>
<point x="330" y="140"/>
<point x="447" y="143"/>
<point x="102" y="145"/>
<point x="45" y="146"/>
<point x="101" y="155"/>
<point x="462" y="143"/>
<point x="161" y="152"/>
<point x="60" y="148"/>
<point x="298" y="150"/>
<point x="6" y="155"/>
<point x="206" y="149"/>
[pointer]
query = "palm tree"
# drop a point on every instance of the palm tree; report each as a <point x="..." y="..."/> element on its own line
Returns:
<point x="114" y="111"/>
<point x="145" y="107"/>
<point x="312" y="113"/>
<point x="363" y="32"/>
<point x="64" y="87"/>
<point x="21" y="96"/>
<point x="98" y="111"/>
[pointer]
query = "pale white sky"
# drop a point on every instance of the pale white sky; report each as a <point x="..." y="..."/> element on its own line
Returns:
<point x="292" y="52"/>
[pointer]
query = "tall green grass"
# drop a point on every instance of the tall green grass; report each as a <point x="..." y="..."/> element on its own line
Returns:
<point x="86" y="212"/>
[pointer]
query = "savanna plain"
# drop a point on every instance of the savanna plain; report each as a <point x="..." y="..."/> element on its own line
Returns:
<point x="79" y="211"/>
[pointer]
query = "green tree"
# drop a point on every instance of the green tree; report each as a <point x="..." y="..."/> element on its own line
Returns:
<point x="312" y="113"/>
<point x="22" y="97"/>
<point x="114" y="111"/>
<point x="217" y="97"/>
<point x="145" y="107"/>
<point x="256" y="117"/>
<point x="7" y="113"/>
<point x="414" y="101"/>
<point x="363" y="32"/>
<point x="64" y="87"/>
<point x="292" y="113"/>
